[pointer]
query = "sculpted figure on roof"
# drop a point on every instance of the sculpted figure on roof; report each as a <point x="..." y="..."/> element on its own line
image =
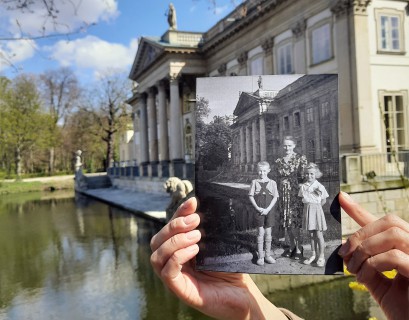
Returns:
<point x="172" y="17"/>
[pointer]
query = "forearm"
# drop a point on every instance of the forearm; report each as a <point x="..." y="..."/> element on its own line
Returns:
<point x="260" y="307"/>
<point x="253" y="202"/>
<point x="272" y="204"/>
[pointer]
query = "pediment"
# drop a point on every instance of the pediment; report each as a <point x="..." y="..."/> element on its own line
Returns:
<point x="148" y="52"/>
<point x="246" y="103"/>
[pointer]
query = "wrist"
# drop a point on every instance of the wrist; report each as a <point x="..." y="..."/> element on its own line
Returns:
<point x="259" y="306"/>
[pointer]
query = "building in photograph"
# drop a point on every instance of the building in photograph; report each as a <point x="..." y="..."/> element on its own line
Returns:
<point x="365" y="42"/>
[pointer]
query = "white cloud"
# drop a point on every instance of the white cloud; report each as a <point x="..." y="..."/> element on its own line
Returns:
<point x="220" y="10"/>
<point x="13" y="52"/>
<point x="93" y="53"/>
<point x="71" y="16"/>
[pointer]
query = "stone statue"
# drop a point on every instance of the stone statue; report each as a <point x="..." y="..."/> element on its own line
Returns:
<point x="78" y="163"/>
<point x="260" y="83"/>
<point x="172" y="17"/>
<point x="178" y="190"/>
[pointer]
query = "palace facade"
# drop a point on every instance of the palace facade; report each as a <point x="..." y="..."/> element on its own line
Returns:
<point x="365" y="42"/>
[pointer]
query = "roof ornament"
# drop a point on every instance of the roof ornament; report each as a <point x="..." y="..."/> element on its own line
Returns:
<point x="171" y="13"/>
<point x="260" y="83"/>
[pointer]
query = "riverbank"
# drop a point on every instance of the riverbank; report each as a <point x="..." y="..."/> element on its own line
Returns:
<point x="37" y="184"/>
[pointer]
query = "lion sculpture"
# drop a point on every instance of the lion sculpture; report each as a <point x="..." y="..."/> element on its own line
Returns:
<point x="178" y="190"/>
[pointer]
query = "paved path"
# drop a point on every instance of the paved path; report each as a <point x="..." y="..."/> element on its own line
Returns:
<point x="150" y="205"/>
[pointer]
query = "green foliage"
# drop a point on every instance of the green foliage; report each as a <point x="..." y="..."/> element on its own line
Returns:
<point x="215" y="151"/>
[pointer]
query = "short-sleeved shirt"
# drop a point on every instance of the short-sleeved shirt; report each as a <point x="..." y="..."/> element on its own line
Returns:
<point x="271" y="187"/>
<point x="313" y="193"/>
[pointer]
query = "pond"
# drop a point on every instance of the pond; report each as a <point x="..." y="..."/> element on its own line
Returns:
<point x="75" y="258"/>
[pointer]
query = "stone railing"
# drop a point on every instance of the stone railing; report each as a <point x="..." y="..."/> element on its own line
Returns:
<point x="130" y="169"/>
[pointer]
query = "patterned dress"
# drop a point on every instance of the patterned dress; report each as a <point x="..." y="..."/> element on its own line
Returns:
<point x="289" y="178"/>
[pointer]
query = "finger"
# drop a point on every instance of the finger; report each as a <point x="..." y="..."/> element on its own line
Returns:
<point x="170" y="246"/>
<point x="354" y="210"/>
<point x="387" y="261"/>
<point x="378" y="226"/>
<point x="393" y="238"/>
<point x="174" y="264"/>
<point x="176" y="225"/>
<point x="186" y="208"/>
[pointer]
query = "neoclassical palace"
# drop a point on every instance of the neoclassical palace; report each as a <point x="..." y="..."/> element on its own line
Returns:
<point x="364" y="41"/>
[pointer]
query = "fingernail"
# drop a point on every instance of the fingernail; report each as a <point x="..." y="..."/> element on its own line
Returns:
<point x="194" y="234"/>
<point x="344" y="249"/>
<point x="347" y="197"/>
<point x="190" y="218"/>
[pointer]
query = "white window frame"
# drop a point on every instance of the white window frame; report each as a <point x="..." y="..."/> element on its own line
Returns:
<point x="254" y="69"/>
<point x="310" y="114"/>
<point x="317" y="46"/>
<point x="286" y="48"/>
<point x="385" y="41"/>
<point x="391" y="113"/>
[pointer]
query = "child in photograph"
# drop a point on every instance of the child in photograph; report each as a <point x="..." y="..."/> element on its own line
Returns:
<point x="263" y="196"/>
<point x="314" y="196"/>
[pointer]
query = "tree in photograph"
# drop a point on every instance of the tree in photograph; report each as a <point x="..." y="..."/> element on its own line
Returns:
<point x="60" y="92"/>
<point x="109" y="110"/>
<point x="22" y="122"/>
<point x="217" y="143"/>
<point x="201" y="112"/>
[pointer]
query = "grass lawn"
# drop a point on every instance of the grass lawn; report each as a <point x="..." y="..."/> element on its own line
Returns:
<point x="34" y="186"/>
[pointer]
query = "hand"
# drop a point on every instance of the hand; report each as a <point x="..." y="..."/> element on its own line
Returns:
<point x="381" y="245"/>
<point x="219" y="295"/>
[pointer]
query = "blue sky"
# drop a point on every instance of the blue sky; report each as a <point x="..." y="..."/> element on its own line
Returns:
<point x="107" y="47"/>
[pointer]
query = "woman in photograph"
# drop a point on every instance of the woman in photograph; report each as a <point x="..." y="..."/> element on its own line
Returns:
<point x="289" y="171"/>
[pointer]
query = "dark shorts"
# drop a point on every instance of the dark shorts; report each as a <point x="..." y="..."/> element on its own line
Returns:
<point x="265" y="221"/>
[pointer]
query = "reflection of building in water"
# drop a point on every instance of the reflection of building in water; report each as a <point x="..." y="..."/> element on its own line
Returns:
<point x="305" y="109"/>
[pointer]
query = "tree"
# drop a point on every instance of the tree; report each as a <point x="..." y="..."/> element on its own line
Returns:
<point x="22" y="122"/>
<point x="110" y="111"/>
<point x="201" y="112"/>
<point x="60" y="91"/>
<point x="215" y="151"/>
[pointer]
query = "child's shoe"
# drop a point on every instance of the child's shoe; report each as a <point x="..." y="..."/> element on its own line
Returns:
<point x="270" y="259"/>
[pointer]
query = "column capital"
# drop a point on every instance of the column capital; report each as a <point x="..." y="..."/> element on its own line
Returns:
<point x="151" y="91"/>
<point x="174" y="77"/>
<point x="339" y="7"/>
<point x="299" y="29"/>
<point x="242" y="58"/>
<point x="267" y="45"/>
<point x="161" y="84"/>
<point x="359" y="6"/>
<point x="222" y="69"/>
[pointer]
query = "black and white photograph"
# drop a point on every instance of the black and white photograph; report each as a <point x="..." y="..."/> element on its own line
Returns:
<point x="268" y="174"/>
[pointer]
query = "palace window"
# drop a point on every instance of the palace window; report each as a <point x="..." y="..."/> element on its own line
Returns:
<point x="394" y="107"/>
<point x="326" y="148"/>
<point x="390" y="31"/>
<point x="321" y="44"/>
<point x="286" y="123"/>
<point x="310" y="115"/>
<point x="311" y="150"/>
<point x="285" y="59"/>
<point x="256" y="66"/>
<point x="297" y="119"/>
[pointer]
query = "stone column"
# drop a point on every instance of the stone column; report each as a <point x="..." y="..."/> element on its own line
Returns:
<point x="267" y="46"/>
<point x="248" y="144"/>
<point x="143" y="133"/>
<point x="363" y="110"/>
<point x="163" y="123"/>
<point x="263" y="141"/>
<point x="153" y="127"/>
<point x="254" y="136"/>
<point x="242" y="146"/>
<point x="175" y="121"/>
<point x="299" y="47"/>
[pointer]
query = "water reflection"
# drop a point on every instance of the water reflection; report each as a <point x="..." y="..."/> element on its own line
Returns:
<point x="80" y="259"/>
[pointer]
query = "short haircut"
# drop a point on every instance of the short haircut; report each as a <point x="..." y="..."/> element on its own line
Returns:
<point x="311" y="165"/>
<point x="263" y="164"/>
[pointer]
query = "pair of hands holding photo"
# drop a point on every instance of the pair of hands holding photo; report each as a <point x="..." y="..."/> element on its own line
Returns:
<point x="380" y="245"/>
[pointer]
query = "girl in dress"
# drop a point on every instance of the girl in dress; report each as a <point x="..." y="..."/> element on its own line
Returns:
<point x="314" y="196"/>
